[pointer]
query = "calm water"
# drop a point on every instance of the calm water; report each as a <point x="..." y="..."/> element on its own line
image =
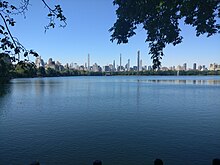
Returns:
<point x="120" y="120"/>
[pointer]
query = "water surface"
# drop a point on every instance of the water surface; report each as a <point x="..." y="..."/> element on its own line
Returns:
<point x="120" y="120"/>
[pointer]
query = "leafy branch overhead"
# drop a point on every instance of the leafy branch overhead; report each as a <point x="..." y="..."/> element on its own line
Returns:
<point x="9" y="44"/>
<point x="160" y="19"/>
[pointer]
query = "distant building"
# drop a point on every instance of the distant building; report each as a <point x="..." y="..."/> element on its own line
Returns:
<point x="75" y="66"/>
<point x="50" y="64"/>
<point x="135" y="68"/>
<point x="149" y="68"/>
<point x="178" y="68"/>
<point x="88" y="62"/>
<point x="96" y="68"/>
<point x="39" y="62"/>
<point x="106" y="68"/>
<point x="128" y="67"/>
<point x="214" y="67"/>
<point x="66" y="66"/>
<point x="204" y="68"/>
<point x="120" y="68"/>
<point x="164" y="69"/>
<point x="185" y="66"/>
<point x="138" y="60"/>
<point x="140" y="66"/>
<point x="173" y="68"/>
<point x="200" y="67"/>
<point x="114" y="68"/>
<point x="194" y="66"/>
<point x="111" y="67"/>
<point x="59" y="66"/>
<point x="82" y="67"/>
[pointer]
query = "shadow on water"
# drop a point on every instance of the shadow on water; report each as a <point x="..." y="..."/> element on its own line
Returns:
<point x="4" y="89"/>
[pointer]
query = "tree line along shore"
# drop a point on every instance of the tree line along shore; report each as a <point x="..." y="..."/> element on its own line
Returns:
<point x="29" y="70"/>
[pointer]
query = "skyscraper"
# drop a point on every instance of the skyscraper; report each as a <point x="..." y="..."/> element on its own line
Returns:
<point x="88" y="62"/>
<point x="138" y="61"/>
<point x="39" y="62"/>
<point x="194" y="66"/>
<point x="114" y="66"/>
<point x="184" y="66"/>
<point x="140" y="65"/>
<point x="128" y="65"/>
<point x="120" y="63"/>
<point x="50" y="61"/>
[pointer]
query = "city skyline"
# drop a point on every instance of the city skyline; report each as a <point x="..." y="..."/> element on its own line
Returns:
<point x="87" y="32"/>
<point x="120" y="67"/>
<point x="138" y="62"/>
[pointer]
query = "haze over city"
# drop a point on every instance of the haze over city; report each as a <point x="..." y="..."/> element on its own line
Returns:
<point x="87" y="33"/>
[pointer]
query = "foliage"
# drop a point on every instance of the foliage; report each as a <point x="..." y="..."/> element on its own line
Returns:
<point x="5" y="67"/>
<point x="9" y="44"/>
<point x="160" y="19"/>
<point x="25" y="69"/>
<point x="41" y="72"/>
<point x="28" y="70"/>
<point x="52" y="72"/>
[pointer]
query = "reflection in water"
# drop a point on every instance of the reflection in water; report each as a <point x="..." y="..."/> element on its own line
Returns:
<point x="196" y="82"/>
<point x="39" y="86"/>
<point x="138" y="96"/>
<point x="4" y="89"/>
<point x="120" y="119"/>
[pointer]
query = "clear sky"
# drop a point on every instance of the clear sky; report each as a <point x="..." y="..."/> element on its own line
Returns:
<point x="87" y="32"/>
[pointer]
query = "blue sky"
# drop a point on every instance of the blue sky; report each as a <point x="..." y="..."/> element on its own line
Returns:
<point x="87" y="32"/>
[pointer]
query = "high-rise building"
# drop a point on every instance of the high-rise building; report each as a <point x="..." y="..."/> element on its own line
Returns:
<point x="96" y="68"/>
<point x="88" y="62"/>
<point x="114" y="69"/>
<point x="120" y="64"/>
<point x="214" y="66"/>
<point x="128" y="67"/>
<point x="140" y="65"/>
<point x="51" y="64"/>
<point x="184" y="66"/>
<point x="39" y="62"/>
<point x="138" y="60"/>
<point x="200" y="67"/>
<point x="106" y="68"/>
<point x="194" y="66"/>
<point x="50" y="61"/>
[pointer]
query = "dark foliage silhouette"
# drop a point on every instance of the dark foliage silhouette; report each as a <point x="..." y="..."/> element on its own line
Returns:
<point x="9" y="44"/>
<point x="160" y="19"/>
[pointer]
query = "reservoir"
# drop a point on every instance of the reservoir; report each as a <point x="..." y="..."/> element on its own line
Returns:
<point x="121" y="120"/>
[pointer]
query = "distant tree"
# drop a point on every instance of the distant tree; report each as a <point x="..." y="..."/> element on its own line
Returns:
<point x="41" y="72"/>
<point x="9" y="44"/>
<point x="50" y="72"/>
<point x="160" y="19"/>
<point x="5" y="67"/>
<point x="25" y="69"/>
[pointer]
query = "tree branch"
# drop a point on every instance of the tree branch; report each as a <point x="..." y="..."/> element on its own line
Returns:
<point x="9" y="32"/>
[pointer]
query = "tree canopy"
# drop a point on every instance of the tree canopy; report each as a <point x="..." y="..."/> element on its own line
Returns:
<point x="9" y="44"/>
<point x="160" y="19"/>
<point x="10" y="47"/>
